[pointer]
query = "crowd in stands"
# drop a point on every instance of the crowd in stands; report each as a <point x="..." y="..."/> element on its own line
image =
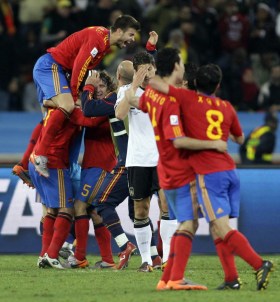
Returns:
<point x="241" y="36"/>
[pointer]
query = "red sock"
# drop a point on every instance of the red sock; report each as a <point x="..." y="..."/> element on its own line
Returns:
<point x="103" y="238"/>
<point x="227" y="260"/>
<point x="32" y="141"/>
<point x="47" y="232"/>
<point x="241" y="247"/>
<point x="62" y="227"/>
<point x="53" y="125"/>
<point x="168" y="268"/>
<point x="81" y="230"/>
<point x="159" y="241"/>
<point x="182" y="251"/>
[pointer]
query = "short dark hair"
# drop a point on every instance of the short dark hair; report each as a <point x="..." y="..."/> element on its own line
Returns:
<point x="142" y="58"/>
<point x="108" y="80"/>
<point x="166" y="59"/>
<point x="124" y="22"/>
<point x="190" y="75"/>
<point x="208" y="77"/>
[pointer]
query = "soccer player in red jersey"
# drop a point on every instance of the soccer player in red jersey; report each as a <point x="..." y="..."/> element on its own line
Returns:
<point x="104" y="182"/>
<point x="57" y="190"/>
<point x="78" y="53"/>
<point x="176" y="176"/>
<point x="205" y="116"/>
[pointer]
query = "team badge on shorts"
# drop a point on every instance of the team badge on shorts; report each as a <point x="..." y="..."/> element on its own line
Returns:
<point x="131" y="191"/>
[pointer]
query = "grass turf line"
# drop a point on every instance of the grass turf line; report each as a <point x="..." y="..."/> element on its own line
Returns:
<point x="21" y="280"/>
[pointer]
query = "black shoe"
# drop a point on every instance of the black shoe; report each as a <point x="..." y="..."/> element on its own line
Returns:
<point x="262" y="274"/>
<point x="145" y="268"/>
<point x="235" y="284"/>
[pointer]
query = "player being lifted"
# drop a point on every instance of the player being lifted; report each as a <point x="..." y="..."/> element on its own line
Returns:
<point x="78" y="53"/>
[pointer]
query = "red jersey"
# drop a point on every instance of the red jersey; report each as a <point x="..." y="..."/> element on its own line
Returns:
<point x="81" y="51"/>
<point x="99" y="148"/>
<point x="58" y="152"/>
<point x="207" y="118"/>
<point x="173" y="167"/>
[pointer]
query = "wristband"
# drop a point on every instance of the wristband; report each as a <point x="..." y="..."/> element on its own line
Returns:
<point x="89" y="87"/>
<point x="150" y="46"/>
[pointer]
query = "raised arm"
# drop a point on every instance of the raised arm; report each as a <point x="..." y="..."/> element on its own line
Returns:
<point x="94" y="107"/>
<point x="129" y="99"/>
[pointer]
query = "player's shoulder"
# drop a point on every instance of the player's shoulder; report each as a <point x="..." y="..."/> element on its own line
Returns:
<point x="97" y="32"/>
<point x="121" y="92"/>
<point x="226" y="103"/>
<point x="139" y="91"/>
<point x="124" y="88"/>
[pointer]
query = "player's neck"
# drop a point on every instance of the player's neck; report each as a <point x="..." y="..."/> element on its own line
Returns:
<point x="213" y="95"/>
<point x="169" y="80"/>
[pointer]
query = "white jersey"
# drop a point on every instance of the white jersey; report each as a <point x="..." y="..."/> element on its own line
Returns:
<point x="142" y="149"/>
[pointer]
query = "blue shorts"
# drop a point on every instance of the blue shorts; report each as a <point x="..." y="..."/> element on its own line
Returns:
<point x="57" y="188"/>
<point x="99" y="187"/>
<point x="182" y="203"/>
<point x="75" y="175"/>
<point x="219" y="194"/>
<point x="91" y="180"/>
<point x="49" y="78"/>
<point x="113" y="190"/>
<point x="36" y="179"/>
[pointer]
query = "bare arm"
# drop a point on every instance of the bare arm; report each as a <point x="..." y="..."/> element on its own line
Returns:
<point x="158" y="84"/>
<point x="196" y="144"/>
<point x="237" y="139"/>
<point x="122" y="108"/>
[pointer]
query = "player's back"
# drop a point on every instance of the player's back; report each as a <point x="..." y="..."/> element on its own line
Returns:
<point x="99" y="148"/>
<point x="173" y="167"/>
<point x="91" y="40"/>
<point x="58" y="152"/>
<point x="209" y="118"/>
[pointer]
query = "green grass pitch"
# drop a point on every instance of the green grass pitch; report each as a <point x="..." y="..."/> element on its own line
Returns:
<point x="22" y="281"/>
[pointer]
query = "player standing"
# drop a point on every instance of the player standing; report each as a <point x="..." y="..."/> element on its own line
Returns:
<point x="175" y="174"/>
<point x="208" y="117"/>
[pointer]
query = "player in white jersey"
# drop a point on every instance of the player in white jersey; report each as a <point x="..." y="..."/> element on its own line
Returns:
<point x="142" y="159"/>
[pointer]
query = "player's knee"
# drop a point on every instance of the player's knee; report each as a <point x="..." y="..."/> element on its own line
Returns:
<point x="80" y="208"/>
<point x="108" y="213"/>
<point x="195" y="225"/>
<point x="69" y="107"/>
<point x="141" y="212"/>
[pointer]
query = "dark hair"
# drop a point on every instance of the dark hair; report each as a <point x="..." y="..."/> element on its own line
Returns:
<point x="190" y="75"/>
<point x="208" y="77"/>
<point x="166" y="59"/>
<point x="125" y="22"/>
<point x="142" y="58"/>
<point x="108" y="80"/>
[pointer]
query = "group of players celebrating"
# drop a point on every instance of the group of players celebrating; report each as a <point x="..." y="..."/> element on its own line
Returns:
<point x="176" y="148"/>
